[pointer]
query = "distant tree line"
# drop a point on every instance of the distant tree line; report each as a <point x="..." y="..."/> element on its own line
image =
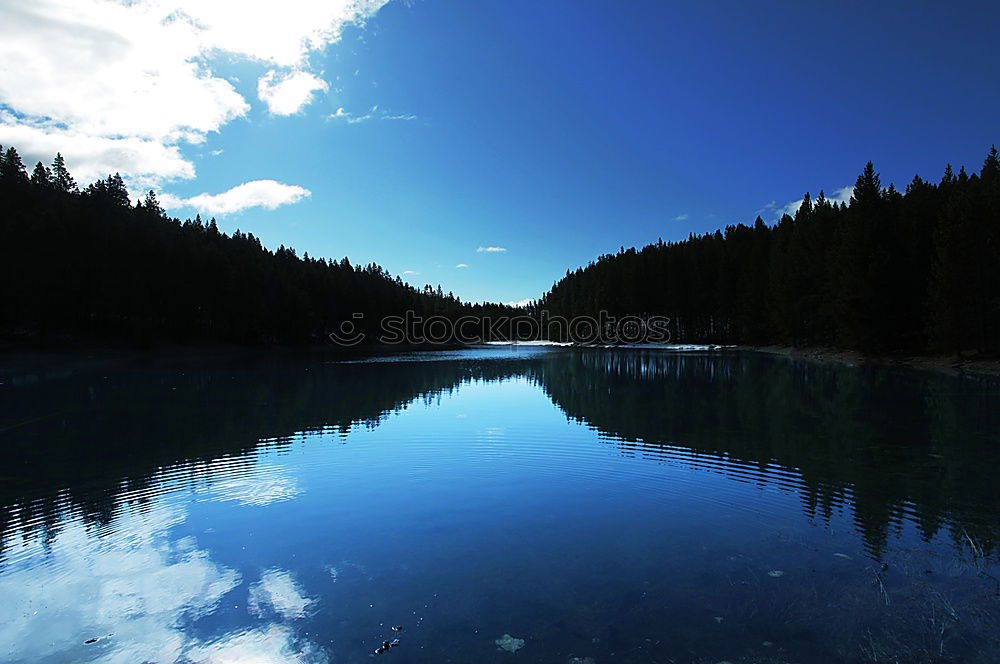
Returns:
<point x="90" y="266"/>
<point x="917" y="271"/>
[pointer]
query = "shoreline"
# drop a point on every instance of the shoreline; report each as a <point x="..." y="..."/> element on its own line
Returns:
<point x="949" y="364"/>
<point x="76" y="355"/>
<point x="59" y="359"/>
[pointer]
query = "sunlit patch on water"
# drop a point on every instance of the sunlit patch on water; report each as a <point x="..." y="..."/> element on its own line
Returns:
<point x="260" y="485"/>
<point x="267" y="645"/>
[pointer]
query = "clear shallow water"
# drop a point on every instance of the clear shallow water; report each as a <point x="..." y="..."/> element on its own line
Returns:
<point x="624" y="506"/>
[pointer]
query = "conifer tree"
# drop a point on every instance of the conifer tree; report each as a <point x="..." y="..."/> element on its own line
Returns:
<point x="867" y="188"/>
<point x="61" y="178"/>
<point x="989" y="178"/>
<point x="948" y="177"/>
<point x="12" y="168"/>
<point x="117" y="192"/>
<point x="41" y="177"/>
<point x="150" y="204"/>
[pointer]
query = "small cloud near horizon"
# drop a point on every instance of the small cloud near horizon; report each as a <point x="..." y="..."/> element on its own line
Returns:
<point x="410" y="272"/>
<point x="373" y="114"/>
<point x="520" y="303"/>
<point x="681" y="217"/>
<point x="491" y="250"/>
<point x="461" y="265"/>
<point x="268" y="194"/>
<point x="770" y="207"/>
<point x="841" y="195"/>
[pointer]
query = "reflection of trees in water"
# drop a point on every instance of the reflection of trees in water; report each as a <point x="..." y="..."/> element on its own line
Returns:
<point x="892" y="445"/>
<point x="80" y="443"/>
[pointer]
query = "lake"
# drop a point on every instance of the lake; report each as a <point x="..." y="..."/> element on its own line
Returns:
<point x="505" y="504"/>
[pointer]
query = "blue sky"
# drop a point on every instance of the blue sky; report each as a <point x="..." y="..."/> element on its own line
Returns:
<point x="413" y="134"/>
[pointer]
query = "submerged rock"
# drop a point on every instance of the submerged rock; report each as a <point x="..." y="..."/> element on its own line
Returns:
<point x="775" y="573"/>
<point x="580" y="660"/>
<point x="509" y="643"/>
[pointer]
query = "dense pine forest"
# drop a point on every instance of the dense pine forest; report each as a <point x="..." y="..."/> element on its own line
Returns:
<point x="87" y="265"/>
<point x="917" y="271"/>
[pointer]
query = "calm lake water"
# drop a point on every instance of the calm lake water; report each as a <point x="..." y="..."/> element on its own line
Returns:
<point x="500" y="505"/>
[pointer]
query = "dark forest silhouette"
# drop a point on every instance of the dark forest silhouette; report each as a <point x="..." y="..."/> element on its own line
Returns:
<point x="90" y="266"/>
<point x="917" y="271"/>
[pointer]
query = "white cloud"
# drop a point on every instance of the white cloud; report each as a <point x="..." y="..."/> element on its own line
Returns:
<point x="841" y="195"/>
<point x="215" y="153"/>
<point x="461" y="265"/>
<point x="373" y="113"/>
<point x="256" y="193"/>
<point x="410" y="272"/>
<point x="770" y="207"/>
<point x="520" y="303"/>
<point x="289" y="93"/>
<point x="491" y="250"/>
<point x="398" y="116"/>
<point x="98" y="76"/>
<point x="681" y="217"/>
<point x="281" y="33"/>
<point x="90" y="157"/>
<point x="111" y="69"/>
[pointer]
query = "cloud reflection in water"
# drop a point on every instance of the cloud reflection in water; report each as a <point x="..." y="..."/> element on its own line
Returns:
<point x="135" y="590"/>
<point x="277" y="590"/>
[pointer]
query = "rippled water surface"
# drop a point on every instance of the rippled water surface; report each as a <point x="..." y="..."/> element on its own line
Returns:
<point x="500" y="505"/>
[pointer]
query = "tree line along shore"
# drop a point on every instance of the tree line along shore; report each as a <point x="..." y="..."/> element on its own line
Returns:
<point x="889" y="272"/>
